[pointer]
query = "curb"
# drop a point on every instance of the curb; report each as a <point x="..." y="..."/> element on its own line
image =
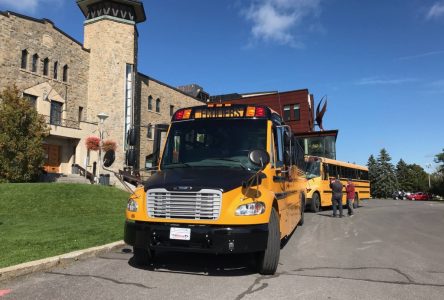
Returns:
<point x="55" y="261"/>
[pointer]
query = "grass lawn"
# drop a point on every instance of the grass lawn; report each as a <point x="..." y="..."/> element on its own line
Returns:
<point x="39" y="220"/>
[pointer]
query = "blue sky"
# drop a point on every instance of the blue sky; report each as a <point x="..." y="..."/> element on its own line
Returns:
<point x="380" y="63"/>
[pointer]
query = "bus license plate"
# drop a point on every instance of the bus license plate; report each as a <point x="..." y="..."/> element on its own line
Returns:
<point x="177" y="233"/>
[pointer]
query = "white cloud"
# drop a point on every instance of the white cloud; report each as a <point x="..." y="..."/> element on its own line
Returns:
<point x="26" y="6"/>
<point x="436" y="11"/>
<point x="421" y="55"/>
<point x="384" y="81"/>
<point x="276" y="20"/>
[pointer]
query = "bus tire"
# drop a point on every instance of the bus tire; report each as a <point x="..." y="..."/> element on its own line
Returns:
<point x="142" y="256"/>
<point x="356" y="202"/>
<point x="315" y="205"/>
<point x="301" y="221"/>
<point x="268" y="260"/>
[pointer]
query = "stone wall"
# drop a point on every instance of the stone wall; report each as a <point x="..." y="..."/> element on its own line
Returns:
<point x="147" y="86"/>
<point x="41" y="37"/>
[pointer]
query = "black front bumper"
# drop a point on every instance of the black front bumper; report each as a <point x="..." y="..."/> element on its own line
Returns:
<point x="204" y="238"/>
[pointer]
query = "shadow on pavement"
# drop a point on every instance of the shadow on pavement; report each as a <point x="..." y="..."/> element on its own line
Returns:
<point x="199" y="264"/>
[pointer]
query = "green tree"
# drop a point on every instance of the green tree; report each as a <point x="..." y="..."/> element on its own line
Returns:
<point x="438" y="176"/>
<point x="404" y="177"/>
<point x="22" y="131"/>
<point x="419" y="177"/>
<point x="372" y="175"/>
<point x="385" y="182"/>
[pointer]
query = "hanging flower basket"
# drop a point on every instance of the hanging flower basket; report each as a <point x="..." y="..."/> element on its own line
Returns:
<point x="92" y="143"/>
<point x="109" y="145"/>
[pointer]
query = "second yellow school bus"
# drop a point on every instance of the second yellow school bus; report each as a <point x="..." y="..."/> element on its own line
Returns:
<point x="319" y="170"/>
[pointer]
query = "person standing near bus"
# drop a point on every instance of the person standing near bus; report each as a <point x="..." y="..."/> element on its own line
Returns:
<point x="350" y="189"/>
<point x="336" y="198"/>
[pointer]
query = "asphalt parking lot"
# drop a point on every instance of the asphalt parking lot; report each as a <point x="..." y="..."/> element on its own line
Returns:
<point x="388" y="250"/>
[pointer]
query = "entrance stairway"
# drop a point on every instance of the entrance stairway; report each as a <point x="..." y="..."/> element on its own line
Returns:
<point x="72" y="178"/>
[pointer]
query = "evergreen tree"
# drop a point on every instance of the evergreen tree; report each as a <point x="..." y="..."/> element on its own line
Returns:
<point x="438" y="176"/>
<point x="385" y="182"/>
<point x="22" y="131"/>
<point x="371" y="164"/>
<point x="404" y="176"/>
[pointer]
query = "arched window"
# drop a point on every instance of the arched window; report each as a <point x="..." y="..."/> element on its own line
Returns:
<point x="157" y="105"/>
<point x="149" y="133"/>
<point x="65" y="73"/>
<point x="24" y="63"/>
<point x="35" y="62"/>
<point x="56" y="69"/>
<point x="46" y="66"/>
<point x="150" y="102"/>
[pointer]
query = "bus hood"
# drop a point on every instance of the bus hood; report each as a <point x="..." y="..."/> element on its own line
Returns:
<point x="194" y="179"/>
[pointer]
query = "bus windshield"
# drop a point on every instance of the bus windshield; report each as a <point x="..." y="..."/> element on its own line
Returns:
<point x="214" y="143"/>
<point x="313" y="169"/>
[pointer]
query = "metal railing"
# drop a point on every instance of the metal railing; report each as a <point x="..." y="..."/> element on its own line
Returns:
<point x="62" y="122"/>
<point x="82" y="171"/>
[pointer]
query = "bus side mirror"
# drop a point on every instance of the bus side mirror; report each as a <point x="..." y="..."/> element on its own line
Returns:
<point x="287" y="157"/>
<point x="131" y="157"/>
<point x="259" y="158"/>
<point x="109" y="158"/>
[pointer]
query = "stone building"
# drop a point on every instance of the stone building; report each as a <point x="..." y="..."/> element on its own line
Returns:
<point x="70" y="82"/>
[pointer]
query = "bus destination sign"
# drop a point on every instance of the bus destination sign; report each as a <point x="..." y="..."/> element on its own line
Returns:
<point x="219" y="112"/>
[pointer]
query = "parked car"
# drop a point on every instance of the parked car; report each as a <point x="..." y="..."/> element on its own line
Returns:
<point x="418" y="196"/>
<point x="399" y="195"/>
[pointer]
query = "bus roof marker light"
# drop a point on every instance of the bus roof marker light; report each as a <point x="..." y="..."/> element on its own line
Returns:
<point x="251" y="111"/>
<point x="187" y="114"/>
<point x="260" y="112"/>
<point x="179" y="114"/>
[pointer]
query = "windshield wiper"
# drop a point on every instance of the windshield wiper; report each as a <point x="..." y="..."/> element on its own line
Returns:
<point x="177" y="165"/>
<point x="231" y="159"/>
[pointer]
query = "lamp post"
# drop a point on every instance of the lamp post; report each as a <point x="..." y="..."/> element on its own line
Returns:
<point x="429" y="166"/>
<point x="102" y="117"/>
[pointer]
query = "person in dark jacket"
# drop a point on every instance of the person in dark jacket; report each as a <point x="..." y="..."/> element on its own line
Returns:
<point x="350" y="189"/>
<point x="336" y="197"/>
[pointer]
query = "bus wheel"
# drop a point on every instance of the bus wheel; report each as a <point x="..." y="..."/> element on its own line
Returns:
<point x="356" y="202"/>
<point x="142" y="256"/>
<point x="315" y="203"/>
<point x="301" y="221"/>
<point x="268" y="260"/>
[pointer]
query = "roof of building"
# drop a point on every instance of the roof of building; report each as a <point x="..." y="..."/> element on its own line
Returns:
<point x="7" y="13"/>
<point x="236" y="96"/>
<point x="192" y="89"/>
<point x="137" y="5"/>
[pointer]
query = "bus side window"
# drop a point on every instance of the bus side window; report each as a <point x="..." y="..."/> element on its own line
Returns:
<point x="326" y="171"/>
<point x="280" y="146"/>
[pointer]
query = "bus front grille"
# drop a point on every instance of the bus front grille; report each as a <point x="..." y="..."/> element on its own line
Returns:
<point x="202" y="205"/>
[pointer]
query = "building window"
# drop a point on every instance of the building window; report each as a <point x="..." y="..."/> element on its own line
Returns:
<point x="157" y="105"/>
<point x="56" y="69"/>
<point x="149" y="133"/>
<point x="65" y="73"/>
<point x="80" y="113"/>
<point x="35" y="62"/>
<point x="24" y="64"/>
<point x="297" y="112"/>
<point x="287" y="113"/>
<point x="31" y="98"/>
<point x="46" y="66"/>
<point x="56" y="113"/>
<point x="150" y="103"/>
<point x="171" y="110"/>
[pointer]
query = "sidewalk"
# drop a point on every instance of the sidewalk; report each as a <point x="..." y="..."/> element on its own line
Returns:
<point x="55" y="261"/>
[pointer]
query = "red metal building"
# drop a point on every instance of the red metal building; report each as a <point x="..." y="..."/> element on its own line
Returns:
<point x="296" y="107"/>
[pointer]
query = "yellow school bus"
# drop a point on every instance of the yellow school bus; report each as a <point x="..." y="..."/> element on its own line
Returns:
<point x="229" y="180"/>
<point x="319" y="170"/>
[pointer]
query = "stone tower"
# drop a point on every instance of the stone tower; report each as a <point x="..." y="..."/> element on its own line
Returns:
<point x="110" y="34"/>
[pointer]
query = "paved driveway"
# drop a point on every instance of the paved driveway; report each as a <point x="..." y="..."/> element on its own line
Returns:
<point x="388" y="250"/>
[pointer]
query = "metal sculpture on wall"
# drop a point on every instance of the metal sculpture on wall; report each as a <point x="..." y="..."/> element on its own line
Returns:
<point x="320" y="113"/>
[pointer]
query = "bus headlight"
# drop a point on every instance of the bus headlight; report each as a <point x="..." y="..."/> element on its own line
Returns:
<point x="132" y="205"/>
<point x="251" y="209"/>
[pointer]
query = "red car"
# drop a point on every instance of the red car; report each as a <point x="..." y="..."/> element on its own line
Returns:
<point x="418" y="196"/>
